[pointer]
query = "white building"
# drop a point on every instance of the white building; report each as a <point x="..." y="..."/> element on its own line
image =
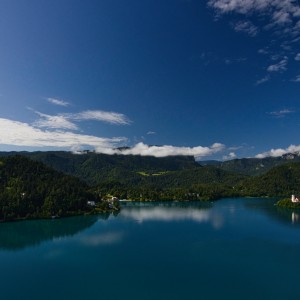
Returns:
<point x="295" y="199"/>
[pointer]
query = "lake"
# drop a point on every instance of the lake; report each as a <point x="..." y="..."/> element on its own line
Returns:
<point x="228" y="249"/>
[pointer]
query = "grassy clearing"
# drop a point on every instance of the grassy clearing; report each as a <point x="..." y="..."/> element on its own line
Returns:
<point x="154" y="174"/>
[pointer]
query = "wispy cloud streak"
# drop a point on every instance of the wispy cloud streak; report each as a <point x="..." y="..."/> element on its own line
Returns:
<point x="297" y="79"/>
<point x="66" y="120"/>
<point x="54" y="122"/>
<point x="262" y="80"/>
<point x="100" y="115"/>
<point x="281" y="66"/>
<point x="281" y="113"/>
<point x="58" y="102"/>
<point x="281" y="18"/>
<point x="246" y="27"/>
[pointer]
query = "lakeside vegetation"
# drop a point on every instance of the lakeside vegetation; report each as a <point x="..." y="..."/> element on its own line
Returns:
<point x="45" y="184"/>
<point x="287" y="203"/>
<point x="29" y="189"/>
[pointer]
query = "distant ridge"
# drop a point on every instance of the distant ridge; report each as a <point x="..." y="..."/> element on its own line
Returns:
<point x="253" y="166"/>
<point x="69" y="162"/>
<point x="94" y="167"/>
<point x="175" y="177"/>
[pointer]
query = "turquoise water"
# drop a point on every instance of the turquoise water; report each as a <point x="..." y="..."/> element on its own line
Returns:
<point x="229" y="249"/>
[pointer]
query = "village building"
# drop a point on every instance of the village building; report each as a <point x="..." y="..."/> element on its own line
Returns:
<point x="295" y="199"/>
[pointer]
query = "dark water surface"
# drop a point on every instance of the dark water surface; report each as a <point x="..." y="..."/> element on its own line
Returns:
<point x="230" y="249"/>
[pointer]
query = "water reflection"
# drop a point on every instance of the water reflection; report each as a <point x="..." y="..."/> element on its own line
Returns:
<point x="18" y="235"/>
<point x="100" y="239"/>
<point x="280" y="214"/>
<point x="295" y="217"/>
<point x="288" y="216"/>
<point x="170" y="212"/>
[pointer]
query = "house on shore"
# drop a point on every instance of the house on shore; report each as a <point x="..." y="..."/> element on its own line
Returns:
<point x="91" y="203"/>
<point x="295" y="199"/>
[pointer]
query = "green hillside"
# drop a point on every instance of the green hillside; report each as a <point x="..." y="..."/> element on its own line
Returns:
<point x="280" y="181"/>
<point x="149" y="178"/>
<point x="191" y="184"/>
<point x="143" y="177"/>
<point x="95" y="168"/>
<point x="253" y="166"/>
<point x="29" y="189"/>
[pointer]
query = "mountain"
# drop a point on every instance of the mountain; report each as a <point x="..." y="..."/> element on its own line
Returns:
<point x="142" y="177"/>
<point x="253" y="166"/>
<point x="280" y="181"/>
<point x="209" y="162"/>
<point x="29" y="189"/>
<point x="151" y="178"/>
<point x="202" y="183"/>
<point x="95" y="168"/>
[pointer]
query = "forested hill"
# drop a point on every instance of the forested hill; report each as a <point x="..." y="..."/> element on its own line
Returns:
<point x="202" y="183"/>
<point x="31" y="189"/>
<point x="95" y="168"/>
<point x="130" y="177"/>
<point x="142" y="177"/>
<point x="280" y="181"/>
<point x="253" y="166"/>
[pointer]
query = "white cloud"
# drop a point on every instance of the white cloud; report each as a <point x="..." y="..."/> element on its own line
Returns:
<point x="239" y="6"/>
<point x="262" y="80"/>
<point x="22" y="134"/>
<point x="279" y="67"/>
<point x="16" y="133"/>
<point x="281" y="113"/>
<point x="66" y="120"/>
<point x="263" y="51"/>
<point x="246" y="27"/>
<point x="280" y="11"/>
<point x="297" y="57"/>
<point x="58" y="102"/>
<point x="151" y="132"/>
<point x="99" y="115"/>
<point x="279" y="16"/>
<point x="297" y="79"/>
<point x="231" y="155"/>
<point x="167" y="150"/>
<point x="54" y="122"/>
<point x="279" y="152"/>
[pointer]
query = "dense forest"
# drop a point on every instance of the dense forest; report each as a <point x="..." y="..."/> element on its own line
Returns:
<point x="42" y="184"/>
<point x="29" y="189"/>
<point x="253" y="166"/>
<point x="281" y="181"/>
<point x="208" y="183"/>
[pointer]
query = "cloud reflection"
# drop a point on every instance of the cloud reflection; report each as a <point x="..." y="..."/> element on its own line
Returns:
<point x="295" y="217"/>
<point x="102" y="239"/>
<point x="170" y="214"/>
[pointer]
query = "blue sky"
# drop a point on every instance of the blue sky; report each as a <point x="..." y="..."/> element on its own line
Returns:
<point x="213" y="79"/>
